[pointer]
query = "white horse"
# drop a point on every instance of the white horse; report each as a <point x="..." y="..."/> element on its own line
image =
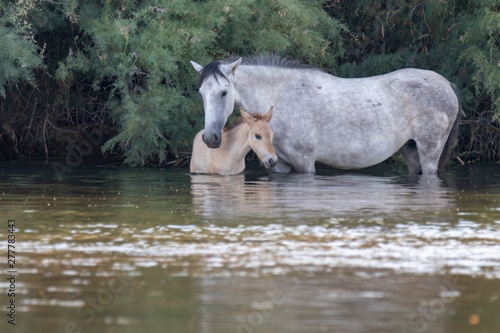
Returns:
<point x="344" y="123"/>
<point x="248" y="132"/>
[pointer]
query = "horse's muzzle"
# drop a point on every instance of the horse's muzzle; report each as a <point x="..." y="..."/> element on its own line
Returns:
<point x="212" y="140"/>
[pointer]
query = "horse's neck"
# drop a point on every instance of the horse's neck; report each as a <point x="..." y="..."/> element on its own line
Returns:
<point x="261" y="81"/>
<point x="235" y="142"/>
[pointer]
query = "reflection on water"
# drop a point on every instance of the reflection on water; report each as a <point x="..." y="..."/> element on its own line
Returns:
<point x="286" y="221"/>
<point x="128" y="250"/>
<point x="342" y="301"/>
<point x="299" y="197"/>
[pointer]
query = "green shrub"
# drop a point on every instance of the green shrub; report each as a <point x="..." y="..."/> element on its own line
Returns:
<point x="18" y="52"/>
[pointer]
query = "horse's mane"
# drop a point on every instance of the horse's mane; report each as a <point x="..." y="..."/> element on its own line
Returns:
<point x="238" y="121"/>
<point x="270" y="60"/>
<point x="210" y="69"/>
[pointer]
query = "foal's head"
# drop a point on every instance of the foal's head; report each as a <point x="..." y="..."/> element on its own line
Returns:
<point x="260" y="136"/>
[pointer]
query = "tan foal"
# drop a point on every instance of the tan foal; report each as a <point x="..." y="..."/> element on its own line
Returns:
<point x="250" y="132"/>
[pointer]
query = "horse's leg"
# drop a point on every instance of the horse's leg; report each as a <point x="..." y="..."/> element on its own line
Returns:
<point x="301" y="157"/>
<point x="305" y="165"/>
<point x="282" y="167"/>
<point x="429" y="152"/>
<point x="410" y="154"/>
<point x="301" y="163"/>
<point x="299" y="152"/>
<point x="302" y="160"/>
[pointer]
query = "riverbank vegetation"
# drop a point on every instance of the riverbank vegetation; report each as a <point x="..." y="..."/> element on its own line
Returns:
<point x="112" y="79"/>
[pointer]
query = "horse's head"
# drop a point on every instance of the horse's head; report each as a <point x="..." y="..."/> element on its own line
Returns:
<point x="260" y="136"/>
<point x="217" y="91"/>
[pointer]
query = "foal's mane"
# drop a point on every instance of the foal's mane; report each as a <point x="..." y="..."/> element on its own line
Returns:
<point x="238" y="121"/>
<point x="270" y="60"/>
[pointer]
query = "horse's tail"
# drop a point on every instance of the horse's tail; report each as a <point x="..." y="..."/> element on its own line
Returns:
<point x="452" y="138"/>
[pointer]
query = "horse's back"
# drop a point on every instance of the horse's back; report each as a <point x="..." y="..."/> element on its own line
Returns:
<point x="399" y="86"/>
<point x="358" y="122"/>
<point x="426" y="87"/>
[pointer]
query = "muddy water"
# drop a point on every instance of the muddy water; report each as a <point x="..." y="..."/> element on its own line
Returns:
<point x="148" y="250"/>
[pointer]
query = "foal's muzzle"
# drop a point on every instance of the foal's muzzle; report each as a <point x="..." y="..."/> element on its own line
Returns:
<point x="270" y="161"/>
<point x="212" y="140"/>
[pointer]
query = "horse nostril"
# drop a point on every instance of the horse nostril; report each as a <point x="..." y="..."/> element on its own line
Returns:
<point x="271" y="162"/>
<point x="211" y="140"/>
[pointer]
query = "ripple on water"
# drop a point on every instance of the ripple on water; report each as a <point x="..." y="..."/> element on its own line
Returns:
<point x="464" y="248"/>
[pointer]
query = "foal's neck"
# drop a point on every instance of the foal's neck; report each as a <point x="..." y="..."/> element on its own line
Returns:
<point x="236" y="139"/>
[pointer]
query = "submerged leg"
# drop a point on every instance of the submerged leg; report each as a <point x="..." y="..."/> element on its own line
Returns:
<point x="302" y="166"/>
<point x="305" y="166"/>
<point x="282" y="167"/>
<point x="432" y="132"/>
<point x="303" y="156"/>
<point x="429" y="153"/>
<point x="410" y="154"/>
<point x="297" y="154"/>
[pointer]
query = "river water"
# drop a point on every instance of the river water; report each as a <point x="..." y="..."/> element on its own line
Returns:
<point x="160" y="250"/>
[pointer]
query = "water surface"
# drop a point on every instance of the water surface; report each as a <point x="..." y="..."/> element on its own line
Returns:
<point x="160" y="250"/>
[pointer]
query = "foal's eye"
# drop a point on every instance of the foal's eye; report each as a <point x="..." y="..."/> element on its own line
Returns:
<point x="224" y="93"/>
<point x="258" y="137"/>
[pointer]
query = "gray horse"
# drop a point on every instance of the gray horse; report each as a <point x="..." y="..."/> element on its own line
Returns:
<point x="344" y="123"/>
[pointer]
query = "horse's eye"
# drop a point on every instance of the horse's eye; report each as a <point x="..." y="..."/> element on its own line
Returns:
<point x="224" y="93"/>
<point x="258" y="137"/>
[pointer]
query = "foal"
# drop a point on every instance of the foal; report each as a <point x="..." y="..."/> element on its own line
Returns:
<point x="252" y="132"/>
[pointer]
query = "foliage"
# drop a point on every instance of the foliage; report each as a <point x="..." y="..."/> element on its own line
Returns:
<point x="18" y="53"/>
<point x="459" y="39"/>
<point x="69" y="67"/>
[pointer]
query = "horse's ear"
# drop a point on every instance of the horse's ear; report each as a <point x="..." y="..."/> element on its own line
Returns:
<point x="269" y="114"/>
<point x="248" y="118"/>
<point x="196" y="66"/>
<point x="230" y="68"/>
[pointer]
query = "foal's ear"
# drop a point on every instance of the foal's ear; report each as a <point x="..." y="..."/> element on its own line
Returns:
<point x="230" y="68"/>
<point x="269" y="114"/>
<point x="248" y="118"/>
<point x="196" y="66"/>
